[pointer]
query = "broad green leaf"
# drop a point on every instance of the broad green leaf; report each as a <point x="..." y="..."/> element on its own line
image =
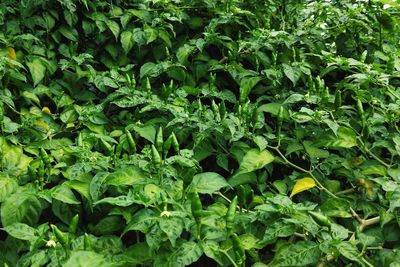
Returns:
<point x="85" y="259"/>
<point x="146" y="131"/>
<point x="184" y="52"/>
<point x="208" y="183"/>
<point x="242" y="178"/>
<point x="37" y="70"/>
<point x="64" y="194"/>
<point x="127" y="176"/>
<point x="273" y="108"/>
<point x="280" y="228"/>
<point x="149" y="69"/>
<point x="292" y="73"/>
<point x="21" y="231"/>
<point x="127" y="41"/>
<point x="255" y="159"/>
<point x="7" y="187"/>
<point x="246" y="84"/>
<point x="172" y="227"/>
<point x="350" y="251"/>
<point x="188" y="253"/>
<point x="346" y="138"/>
<point x="98" y="185"/>
<point x="114" y="28"/>
<point x="303" y="185"/>
<point x="69" y="33"/>
<point x="21" y="207"/>
<point x="302" y="253"/>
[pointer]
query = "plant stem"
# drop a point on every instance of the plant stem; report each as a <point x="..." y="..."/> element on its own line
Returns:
<point x="229" y="257"/>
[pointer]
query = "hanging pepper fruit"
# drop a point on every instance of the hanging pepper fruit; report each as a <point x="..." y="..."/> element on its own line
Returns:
<point x="222" y="110"/>
<point x="156" y="156"/>
<point x="1" y="112"/>
<point x="320" y="218"/>
<point x="79" y="140"/>
<point x="238" y="248"/>
<point x="61" y="237"/>
<point x="338" y="99"/>
<point x="109" y="149"/>
<point x="159" y="140"/>
<point x="280" y="116"/>
<point x="74" y="224"/>
<point x="167" y="145"/>
<point x="175" y="143"/>
<point x="197" y="207"/>
<point x="360" y="110"/>
<point x="164" y="91"/>
<point x="241" y="196"/>
<point x="87" y="243"/>
<point x="45" y="157"/>
<point x="148" y="86"/>
<point x="230" y="215"/>
<point x="215" y="110"/>
<point x="131" y="142"/>
<point x="199" y="105"/>
<point x="311" y="84"/>
<point x="41" y="171"/>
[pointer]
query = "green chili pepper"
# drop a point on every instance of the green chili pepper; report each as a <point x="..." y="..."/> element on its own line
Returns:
<point x="156" y="156"/>
<point x="1" y="111"/>
<point x="230" y="215"/>
<point x="215" y="110"/>
<point x="199" y="105"/>
<point x="175" y="143"/>
<point x="131" y="142"/>
<point x="61" y="237"/>
<point x="79" y="140"/>
<point x="325" y="94"/>
<point x="280" y="116"/>
<point x="45" y="157"/>
<point x="41" y="171"/>
<point x="338" y="99"/>
<point x="311" y="83"/>
<point x="196" y="206"/>
<point x="167" y="145"/>
<point x="222" y="110"/>
<point x="159" y="140"/>
<point x="107" y="146"/>
<point x="241" y="196"/>
<point x="320" y="218"/>
<point x="240" y="253"/>
<point x="87" y="243"/>
<point x="360" y="110"/>
<point x="148" y="85"/>
<point x="74" y="224"/>
<point x="118" y="150"/>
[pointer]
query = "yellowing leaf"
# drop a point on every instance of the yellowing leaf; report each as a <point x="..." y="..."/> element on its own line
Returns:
<point x="303" y="185"/>
<point x="46" y="110"/>
<point x="11" y="54"/>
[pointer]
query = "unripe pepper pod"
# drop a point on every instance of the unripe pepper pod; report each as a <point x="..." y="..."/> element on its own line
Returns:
<point x="1" y="112"/>
<point x="360" y="110"/>
<point x="106" y="146"/>
<point x="61" y="236"/>
<point x="131" y="141"/>
<point x="156" y="156"/>
<point x="175" y="143"/>
<point x="320" y="218"/>
<point x="240" y="253"/>
<point x="167" y="145"/>
<point x="215" y="110"/>
<point x="222" y="109"/>
<point x="230" y="215"/>
<point x="87" y="243"/>
<point x="74" y="224"/>
<point x="159" y="140"/>
<point x="280" y="116"/>
<point x="196" y="206"/>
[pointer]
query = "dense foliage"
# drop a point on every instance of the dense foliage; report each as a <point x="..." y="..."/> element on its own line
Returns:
<point x="199" y="132"/>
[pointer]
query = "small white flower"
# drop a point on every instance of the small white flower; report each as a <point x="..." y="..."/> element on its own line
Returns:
<point x="51" y="243"/>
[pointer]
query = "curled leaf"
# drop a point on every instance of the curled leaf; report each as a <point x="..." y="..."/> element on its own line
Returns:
<point x="303" y="185"/>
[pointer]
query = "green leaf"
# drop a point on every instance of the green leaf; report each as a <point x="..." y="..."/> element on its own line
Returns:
<point x="146" y="131"/>
<point x="7" y="187"/>
<point x="172" y="227"/>
<point x="37" y="69"/>
<point x="246" y="84"/>
<point x="69" y="33"/>
<point x="85" y="259"/>
<point x="255" y="159"/>
<point x="127" y="41"/>
<point x="188" y="253"/>
<point x="303" y="253"/>
<point x="114" y="27"/>
<point x="184" y="52"/>
<point x="346" y="138"/>
<point x="127" y="176"/>
<point x="292" y="73"/>
<point x="64" y="194"/>
<point x="350" y="251"/>
<point x="208" y="183"/>
<point x="21" y="231"/>
<point x="21" y="207"/>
